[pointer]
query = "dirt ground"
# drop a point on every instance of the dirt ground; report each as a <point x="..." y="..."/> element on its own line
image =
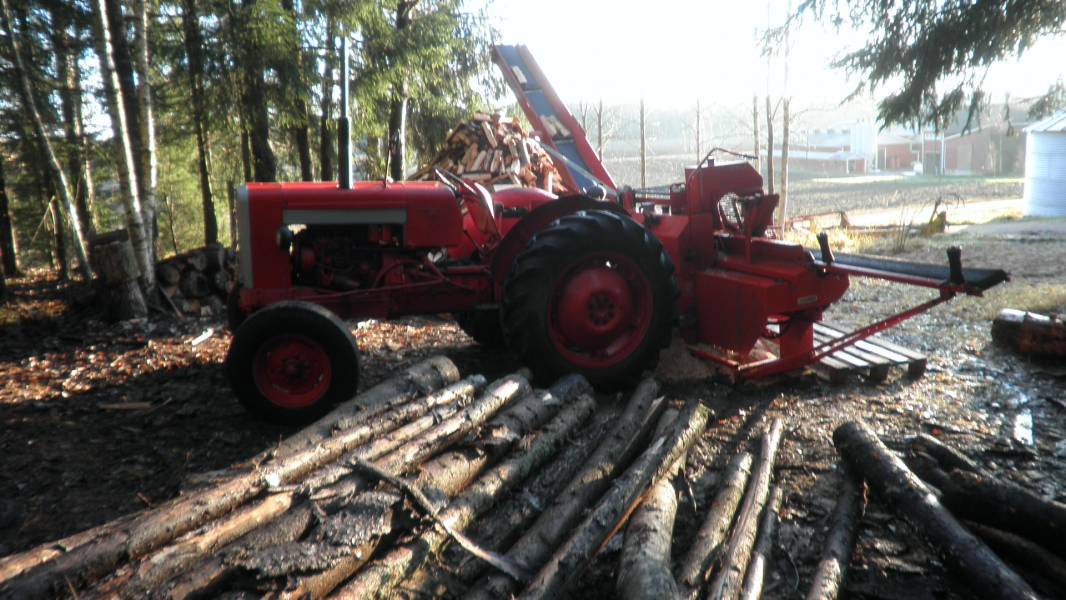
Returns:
<point x="102" y="420"/>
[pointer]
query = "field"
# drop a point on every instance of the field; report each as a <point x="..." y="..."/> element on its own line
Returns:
<point x="101" y="421"/>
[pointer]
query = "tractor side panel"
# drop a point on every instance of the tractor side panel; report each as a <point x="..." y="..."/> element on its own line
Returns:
<point x="732" y="307"/>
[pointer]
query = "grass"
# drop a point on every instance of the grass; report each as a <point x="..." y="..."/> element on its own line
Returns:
<point x="1043" y="298"/>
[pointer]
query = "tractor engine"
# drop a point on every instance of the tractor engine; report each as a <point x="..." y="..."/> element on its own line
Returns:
<point x="346" y="257"/>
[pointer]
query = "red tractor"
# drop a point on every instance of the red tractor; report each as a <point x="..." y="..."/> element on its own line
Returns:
<point x="593" y="282"/>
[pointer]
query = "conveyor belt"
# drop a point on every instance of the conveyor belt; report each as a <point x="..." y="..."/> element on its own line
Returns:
<point x="982" y="279"/>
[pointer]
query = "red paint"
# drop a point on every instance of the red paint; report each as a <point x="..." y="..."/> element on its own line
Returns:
<point x="292" y="371"/>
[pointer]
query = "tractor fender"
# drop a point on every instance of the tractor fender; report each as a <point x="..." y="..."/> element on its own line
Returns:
<point x="539" y="218"/>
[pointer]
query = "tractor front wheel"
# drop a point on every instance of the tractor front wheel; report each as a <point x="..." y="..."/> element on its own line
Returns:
<point x="593" y="293"/>
<point x="292" y="361"/>
<point x="483" y="326"/>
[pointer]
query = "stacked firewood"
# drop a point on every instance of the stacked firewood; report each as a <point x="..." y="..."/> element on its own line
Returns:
<point x="196" y="283"/>
<point x="528" y="484"/>
<point x="995" y="536"/>
<point x="494" y="150"/>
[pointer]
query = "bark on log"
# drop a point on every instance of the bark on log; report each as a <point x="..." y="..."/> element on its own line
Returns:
<point x="566" y="565"/>
<point x="1030" y="333"/>
<point x="961" y="552"/>
<point x="156" y="527"/>
<point x="1026" y="555"/>
<point x="195" y="260"/>
<point x="644" y="569"/>
<point x="118" y="268"/>
<point x="840" y="540"/>
<point x="948" y="457"/>
<point x="692" y="572"/>
<point x="557" y="521"/>
<point x="12" y="565"/>
<point x="737" y="553"/>
<point x="194" y="284"/>
<point x="167" y="274"/>
<point x="755" y="578"/>
<point x="379" y="579"/>
<point x="1008" y="506"/>
<point x="504" y="525"/>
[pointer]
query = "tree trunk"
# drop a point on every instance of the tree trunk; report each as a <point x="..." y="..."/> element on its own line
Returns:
<point x="70" y="103"/>
<point x="1024" y="554"/>
<point x="146" y="123"/>
<point x="737" y="553"/>
<point x="294" y="88"/>
<point x="948" y="457"/>
<point x="840" y="539"/>
<point x="122" y="61"/>
<point x="59" y="238"/>
<point x="960" y="551"/>
<point x="707" y="546"/>
<point x="769" y="147"/>
<point x="784" y="163"/>
<point x="567" y="508"/>
<point x="379" y="580"/>
<point x="643" y="150"/>
<point x="7" y="231"/>
<point x="253" y="92"/>
<point x="119" y="273"/>
<point x="231" y="191"/>
<point x="644" y="569"/>
<point x="128" y="165"/>
<point x="25" y="92"/>
<point x="190" y="20"/>
<point x="599" y="130"/>
<point x="568" y="563"/>
<point x="246" y="152"/>
<point x="398" y="107"/>
<point x="755" y="127"/>
<point x="325" y="136"/>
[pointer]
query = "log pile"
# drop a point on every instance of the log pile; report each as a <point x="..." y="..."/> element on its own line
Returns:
<point x="196" y="283"/>
<point x="996" y="537"/>
<point x="494" y="150"/>
<point x="517" y="488"/>
<point x="1030" y="334"/>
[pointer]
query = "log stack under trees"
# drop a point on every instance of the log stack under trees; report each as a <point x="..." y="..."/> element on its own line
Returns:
<point x="495" y="150"/>
<point x="196" y="283"/>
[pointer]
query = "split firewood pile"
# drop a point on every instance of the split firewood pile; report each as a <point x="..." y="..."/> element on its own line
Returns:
<point x="196" y="283"/>
<point x="492" y="150"/>
<point x="522" y="485"/>
<point x="994" y="536"/>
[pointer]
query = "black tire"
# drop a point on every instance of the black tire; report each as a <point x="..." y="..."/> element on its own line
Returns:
<point x="484" y="326"/>
<point x="234" y="315"/>
<point x="533" y="299"/>
<point x="292" y="361"/>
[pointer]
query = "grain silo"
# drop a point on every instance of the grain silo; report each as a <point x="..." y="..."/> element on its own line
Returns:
<point x="1045" y="167"/>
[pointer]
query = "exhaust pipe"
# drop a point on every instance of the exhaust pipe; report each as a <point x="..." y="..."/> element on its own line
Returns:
<point x="344" y="133"/>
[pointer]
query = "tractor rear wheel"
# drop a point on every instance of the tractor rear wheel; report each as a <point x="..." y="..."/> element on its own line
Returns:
<point x="292" y="361"/>
<point x="483" y="326"/>
<point x="593" y="293"/>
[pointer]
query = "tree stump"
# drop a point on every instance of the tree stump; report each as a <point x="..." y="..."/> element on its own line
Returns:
<point x="116" y="264"/>
<point x="1030" y="333"/>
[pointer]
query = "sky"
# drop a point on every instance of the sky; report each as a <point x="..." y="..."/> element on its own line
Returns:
<point x="672" y="51"/>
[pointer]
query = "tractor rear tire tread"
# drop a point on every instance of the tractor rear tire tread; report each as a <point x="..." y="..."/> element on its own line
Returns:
<point x="547" y="254"/>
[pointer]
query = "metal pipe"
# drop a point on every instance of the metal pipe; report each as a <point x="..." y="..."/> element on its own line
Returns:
<point x="344" y="134"/>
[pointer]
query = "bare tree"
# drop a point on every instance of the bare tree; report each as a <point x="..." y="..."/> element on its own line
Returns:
<point x="7" y="232"/>
<point x="643" y="148"/>
<point x="127" y="166"/>
<point x="30" y="106"/>
<point x="755" y="128"/>
<point x="194" y="54"/>
<point x="769" y="146"/>
<point x="147" y="123"/>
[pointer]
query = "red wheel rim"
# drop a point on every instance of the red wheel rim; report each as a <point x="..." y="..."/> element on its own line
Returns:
<point x="601" y="309"/>
<point x="292" y="371"/>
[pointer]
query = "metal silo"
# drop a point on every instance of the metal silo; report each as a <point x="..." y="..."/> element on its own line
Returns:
<point x="1045" y="167"/>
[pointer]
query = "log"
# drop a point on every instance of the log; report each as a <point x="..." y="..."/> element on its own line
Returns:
<point x="453" y="471"/>
<point x="195" y="260"/>
<point x="156" y="527"/>
<point x="167" y="275"/>
<point x="755" y="578"/>
<point x="13" y="564"/>
<point x="117" y="265"/>
<point x="214" y="256"/>
<point x="737" y="553"/>
<point x="565" y="512"/>
<point x="1008" y="506"/>
<point x="219" y="282"/>
<point x="644" y="569"/>
<point x="1030" y="333"/>
<point x="194" y="285"/>
<point x="964" y="555"/>
<point x="693" y="569"/>
<point x="840" y="540"/>
<point x="500" y="528"/>
<point x="380" y="578"/>
<point x="566" y="565"/>
<point x="948" y="457"/>
<point x="1026" y="555"/>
